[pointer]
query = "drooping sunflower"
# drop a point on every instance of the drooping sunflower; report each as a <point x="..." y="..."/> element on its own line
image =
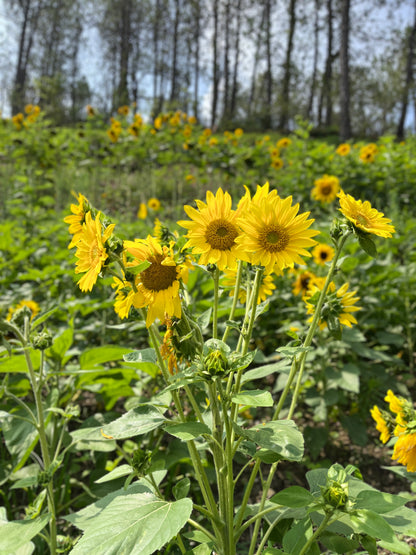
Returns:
<point x="404" y="451"/>
<point x="274" y="234"/>
<point x="213" y="230"/>
<point x="266" y="288"/>
<point x="339" y="303"/>
<point x="382" y="425"/>
<point x="322" y="253"/>
<point x="77" y="218"/>
<point x="364" y="216"/>
<point x="91" y="251"/>
<point x="326" y="188"/>
<point x="156" y="287"/>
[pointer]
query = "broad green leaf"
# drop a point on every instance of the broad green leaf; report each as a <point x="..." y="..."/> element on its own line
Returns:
<point x="367" y="244"/>
<point x="118" y="472"/>
<point x="398" y="547"/>
<point x="136" y="422"/>
<point x="16" y="533"/>
<point x="266" y="370"/>
<point x="99" y="355"/>
<point x="378" y="501"/>
<point x="281" y="437"/>
<point x="181" y="489"/>
<point x="253" y="398"/>
<point x="402" y="520"/>
<point x="90" y="434"/>
<point x="338" y="544"/>
<point x="144" y="355"/>
<point x="137" y="524"/>
<point x="43" y="317"/>
<point x="61" y="344"/>
<point x="368" y="522"/>
<point x="293" y="496"/>
<point x="187" y="430"/>
<point x="17" y="363"/>
<point x="297" y="536"/>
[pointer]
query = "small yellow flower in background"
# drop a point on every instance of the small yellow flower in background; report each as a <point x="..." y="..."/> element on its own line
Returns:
<point x="266" y="288"/>
<point x="368" y="153"/>
<point x="32" y="305"/>
<point x="362" y="215"/>
<point x="90" y="110"/>
<point x="77" y="218"/>
<point x="213" y="141"/>
<point x="175" y="120"/>
<point x="123" y="110"/>
<point x="153" y="204"/>
<point x="340" y="303"/>
<point x="343" y="149"/>
<point x="284" y="142"/>
<point x="29" y="108"/>
<point x="190" y="177"/>
<point x="274" y="152"/>
<point x="192" y="120"/>
<point x="238" y="132"/>
<point x="91" y="252"/>
<point x="157" y="287"/>
<point x="404" y="451"/>
<point x="115" y="123"/>
<point x="142" y="211"/>
<point x="134" y="129"/>
<point x="158" y="123"/>
<point x="114" y="133"/>
<point x="382" y="426"/>
<point x="36" y="110"/>
<point x="185" y="146"/>
<point x="322" y="254"/>
<point x="212" y="230"/>
<point x="303" y="283"/>
<point x="187" y="131"/>
<point x="277" y="163"/>
<point x="18" y="120"/>
<point x="138" y="120"/>
<point x="326" y="188"/>
<point x="275" y="235"/>
<point x="207" y="132"/>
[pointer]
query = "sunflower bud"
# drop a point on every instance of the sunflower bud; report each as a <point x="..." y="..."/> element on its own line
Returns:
<point x="141" y="461"/>
<point x="42" y="340"/>
<point x="336" y="495"/>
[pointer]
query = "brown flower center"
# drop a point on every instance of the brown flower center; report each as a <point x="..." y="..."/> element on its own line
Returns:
<point x="324" y="255"/>
<point x="221" y="234"/>
<point x="326" y="190"/>
<point x="274" y="238"/>
<point x="158" y="277"/>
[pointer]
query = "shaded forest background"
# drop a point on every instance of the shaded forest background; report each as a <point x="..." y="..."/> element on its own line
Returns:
<point x="345" y="65"/>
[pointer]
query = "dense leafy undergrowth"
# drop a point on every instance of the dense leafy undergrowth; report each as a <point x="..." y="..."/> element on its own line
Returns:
<point x="134" y="173"/>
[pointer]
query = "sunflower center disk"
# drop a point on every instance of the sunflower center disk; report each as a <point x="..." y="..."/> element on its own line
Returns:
<point x="274" y="239"/>
<point x="326" y="190"/>
<point x="158" y="277"/>
<point x="221" y="234"/>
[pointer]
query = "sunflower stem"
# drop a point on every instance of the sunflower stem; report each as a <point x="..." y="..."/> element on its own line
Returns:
<point x="216" y="278"/>
<point x="235" y="297"/>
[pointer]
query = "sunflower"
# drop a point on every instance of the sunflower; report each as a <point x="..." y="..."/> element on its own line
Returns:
<point x="326" y="188"/>
<point x="142" y="211"/>
<point x="157" y="286"/>
<point x="363" y="216"/>
<point x="91" y="251"/>
<point x="405" y="451"/>
<point x="266" y="287"/>
<point x="275" y="235"/>
<point x="77" y="218"/>
<point x="153" y="204"/>
<point x="322" y="254"/>
<point x="277" y="163"/>
<point x="338" y="303"/>
<point x="213" y="230"/>
<point x="382" y="426"/>
<point x="284" y="142"/>
<point x="303" y="283"/>
<point x="32" y="305"/>
<point x="395" y="404"/>
<point x="343" y="149"/>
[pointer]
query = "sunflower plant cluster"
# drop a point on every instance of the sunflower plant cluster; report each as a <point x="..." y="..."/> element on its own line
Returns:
<point x="204" y="360"/>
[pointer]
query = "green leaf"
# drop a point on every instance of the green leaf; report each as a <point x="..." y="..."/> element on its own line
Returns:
<point x="398" y="547"/>
<point x="61" y="344"/>
<point x="137" y="524"/>
<point x="99" y="355"/>
<point x="292" y="351"/>
<point x="367" y="244"/>
<point x="118" y="472"/>
<point x="42" y="318"/>
<point x="135" y="422"/>
<point x="17" y="363"/>
<point x="378" y="501"/>
<point x="144" y="355"/>
<point x="187" y="430"/>
<point x="293" y="496"/>
<point x="181" y="489"/>
<point x="16" y="533"/>
<point x="266" y="370"/>
<point x="140" y="267"/>
<point x="281" y="437"/>
<point x="368" y="522"/>
<point x="297" y="536"/>
<point x="253" y="398"/>
<point x="338" y="544"/>
<point x="89" y="435"/>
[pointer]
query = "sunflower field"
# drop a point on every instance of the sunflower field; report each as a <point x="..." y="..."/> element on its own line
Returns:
<point x="207" y="340"/>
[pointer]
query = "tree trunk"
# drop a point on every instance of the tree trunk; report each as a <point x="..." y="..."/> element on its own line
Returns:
<point x="122" y="97"/>
<point x="215" y="68"/>
<point x="233" y="99"/>
<point x="174" y="74"/>
<point x="309" y="109"/>
<point x="227" y="23"/>
<point x="197" y="61"/>
<point x="344" y="93"/>
<point x="326" y="89"/>
<point x="267" y="120"/>
<point x="408" y="78"/>
<point x="285" y="103"/>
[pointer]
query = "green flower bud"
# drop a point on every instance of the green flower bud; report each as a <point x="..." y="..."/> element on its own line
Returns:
<point x="141" y="461"/>
<point x="42" y="340"/>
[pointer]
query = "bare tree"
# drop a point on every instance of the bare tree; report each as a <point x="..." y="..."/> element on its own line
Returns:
<point x="409" y="77"/>
<point x="287" y="69"/>
<point x="344" y="89"/>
